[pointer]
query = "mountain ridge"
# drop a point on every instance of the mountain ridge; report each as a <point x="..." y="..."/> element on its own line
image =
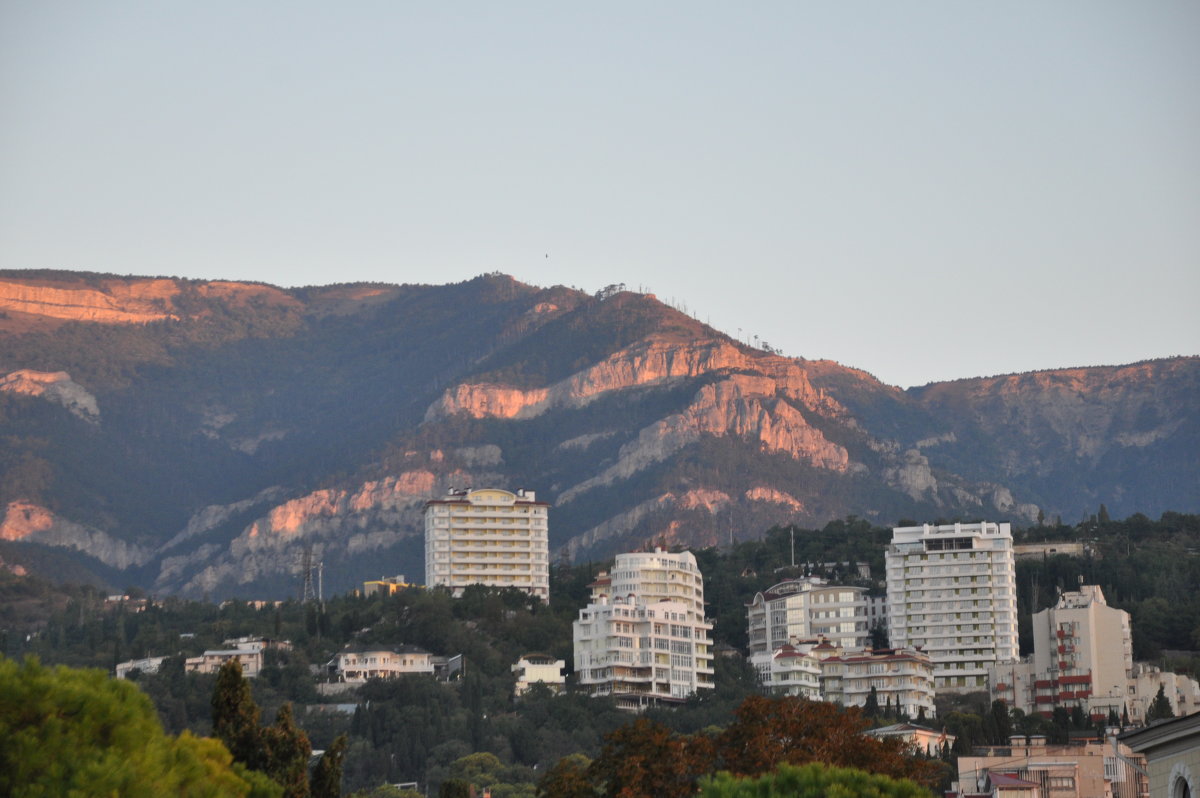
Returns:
<point x="252" y="404"/>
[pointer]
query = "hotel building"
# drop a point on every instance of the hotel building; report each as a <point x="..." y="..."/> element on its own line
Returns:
<point x="488" y="537"/>
<point x="951" y="593"/>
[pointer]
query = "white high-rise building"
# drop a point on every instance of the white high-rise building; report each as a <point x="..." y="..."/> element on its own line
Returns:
<point x="952" y="594"/>
<point x="809" y="607"/>
<point x="659" y="576"/>
<point x="647" y="641"/>
<point x="488" y="537"/>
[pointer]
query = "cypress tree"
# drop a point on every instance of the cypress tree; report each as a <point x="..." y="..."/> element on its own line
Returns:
<point x="287" y="753"/>
<point x="327" y="775"/>
<point x="235" y="717"/>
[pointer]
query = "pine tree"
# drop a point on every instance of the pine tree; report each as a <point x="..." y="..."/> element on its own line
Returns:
<point x="1102" y="517"/>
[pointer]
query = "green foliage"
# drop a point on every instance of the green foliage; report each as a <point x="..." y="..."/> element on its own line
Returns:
<point x="327" y="775"/>
<point x="813" y="780"/>
<point x="1160" y="707"/>
<point x="235" y="718"/>
<point x="78" y="732"/>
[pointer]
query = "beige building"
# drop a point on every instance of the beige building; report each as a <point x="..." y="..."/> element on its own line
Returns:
<point x="921" y="739"/>
<point x="211" y="661"/>
<point x="1083" y="656"/>
<point x="808" y="607"/>
<point x="488" y="537"/>
<point x="359" y="663"/>
<point x="1172" y="749"/>
<point x="534" y="669"/>
<point x="951" y="592"/>
<point x="1092" y="770"/>
<point x="822" y="671"/>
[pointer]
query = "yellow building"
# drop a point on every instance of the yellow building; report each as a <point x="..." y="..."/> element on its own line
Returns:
<point x="386" y="585"/>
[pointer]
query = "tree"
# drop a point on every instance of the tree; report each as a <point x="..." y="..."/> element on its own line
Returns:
<point x="814" y="780"/>
<point x="871" y="707"/>
<point x="79" y="732"/>
<point x="567" y="778"/>
<point x="1102" y="517"/>
<point x="327" y="775"/>
<point x="767" y="732"/>
<point x="645" y="758"/>
<point x="455" y="788"/>
<point x="235" y="717"/>
<point x="1160" y="707"/>
<point x="286" y="752"/>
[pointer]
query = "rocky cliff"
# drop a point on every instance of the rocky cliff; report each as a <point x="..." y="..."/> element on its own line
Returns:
<point x="244" y="425"/>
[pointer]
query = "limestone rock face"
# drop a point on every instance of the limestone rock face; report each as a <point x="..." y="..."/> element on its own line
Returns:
<point x="773" y="496"/>
<point x="652" y="361"/>
<point x="55" y="386"/>
<point x="372" y="517"/>
<point x="744" y="406"/>
<point x="123" y="301"/>
<point x="35" y="524"/>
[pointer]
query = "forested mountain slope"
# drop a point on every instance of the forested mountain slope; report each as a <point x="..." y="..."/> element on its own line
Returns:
<point x="197" y="437"/>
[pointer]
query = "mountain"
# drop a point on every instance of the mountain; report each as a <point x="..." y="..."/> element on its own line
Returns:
<point x="198" y="437"/>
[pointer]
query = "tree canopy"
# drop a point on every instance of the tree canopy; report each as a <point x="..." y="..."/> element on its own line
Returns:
<point x="79" y="732"/>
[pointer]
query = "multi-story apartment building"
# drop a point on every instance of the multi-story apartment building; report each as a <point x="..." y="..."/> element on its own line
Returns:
<point x="641" y="653"/>
<point x="901" y="678"/>
<point x="488" y="537"/>
<point x="822" y="671"/>
<point x="1083" y="657"/>
<point x="952" y="593"/>
<point x="643" y="638"/>
<point x="655" y="576"/>
<point x="808" y="607"/>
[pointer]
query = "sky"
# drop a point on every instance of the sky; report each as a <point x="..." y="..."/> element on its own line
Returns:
<point x="923" y="190"/>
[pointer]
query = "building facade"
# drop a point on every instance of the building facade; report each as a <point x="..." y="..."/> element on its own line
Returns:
<point x="808" y="607"/>
<point x="951" y="592"/>
<point x="534" y="669"/>
<point x="488" y="537"/>
<point x="1107" y="769"/>
<point x="356" y="664"/>
<point x="1083" y="657"/>
<point x="821" y="671"/>
<point x="654" y="576"/>
<point x="642" y="654"/>
<point x="212" y="660"/>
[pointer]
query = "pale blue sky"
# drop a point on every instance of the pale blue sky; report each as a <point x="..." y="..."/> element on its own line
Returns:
<point x="925" y="190"/>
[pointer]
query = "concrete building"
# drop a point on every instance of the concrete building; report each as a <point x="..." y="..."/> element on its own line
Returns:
<point x="1172" y="751"/>
<point x="385" y="586"/>
<point x="642" y="654"/>
<point x="952" y="593"/>
<point x="922" y="739"/>
<point x="808" y="607"/>
<point x="212" y="660"/>
<point x="144" y="666"/>
<point x="1107" y="769"/>
<point x="654" y="576"/>
<point x="534" y="669"/>
<point x="790" y="670"/>
<point x="358" y="663"/>
<point x="822" y="671"/>
<point x="488" y="537"/>
<point x="1083" y="656"/>
<point x="900" y="677"/>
